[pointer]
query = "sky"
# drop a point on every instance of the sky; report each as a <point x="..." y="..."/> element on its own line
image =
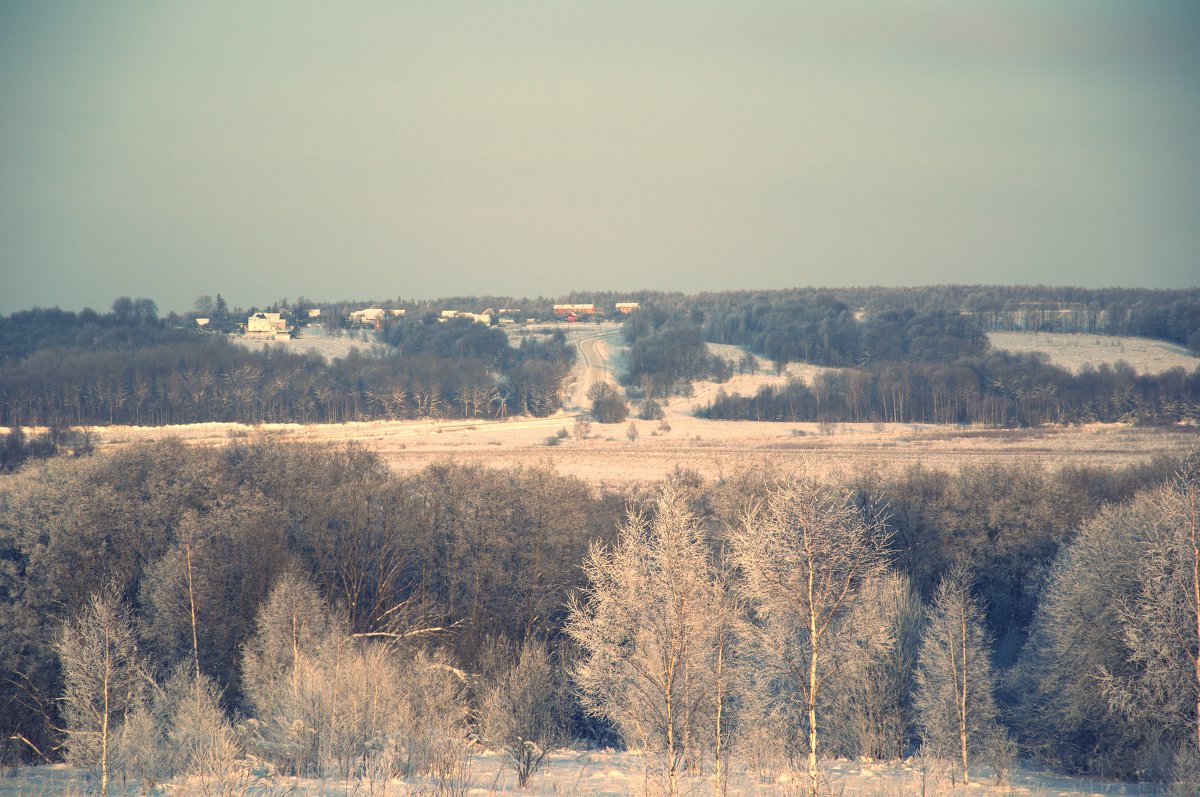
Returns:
<point x="376" y="150"/>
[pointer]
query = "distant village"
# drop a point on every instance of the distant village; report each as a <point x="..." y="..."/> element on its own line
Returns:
<point x="285" y="323"/>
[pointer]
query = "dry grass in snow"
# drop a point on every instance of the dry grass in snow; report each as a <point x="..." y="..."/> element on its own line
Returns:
<point x="714" y="449"/>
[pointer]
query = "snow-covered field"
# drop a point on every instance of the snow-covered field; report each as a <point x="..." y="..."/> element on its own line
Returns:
<point x="603" y="774"/>
<point x="329" y="345"/>
<point x="1073" y="351"/>
<point x="714" y="449"/>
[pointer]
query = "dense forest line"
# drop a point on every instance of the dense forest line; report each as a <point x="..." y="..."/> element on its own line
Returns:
<point x="198" y="553"/>
<point x="452" y="370"/>
<point x="667" y="354"/>
<point x="997" y="389"/>
<point x="893" y="366"/>
<point x="826" y="332"/>
<point x="1170" y="315"/>
<point x="915" y="354"/>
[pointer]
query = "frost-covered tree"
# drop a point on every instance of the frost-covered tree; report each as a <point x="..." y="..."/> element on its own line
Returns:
<point x="180" y="731"/>
<point x="170" y="584"/>
<point x="200" y="737"/>
<point x="871" y="713"/>
<point x="292" y="628"/>
<point x="647" y="634"/>
<point x="103" y="679"/>
<point x="1160" y="623"/>
<point x="955" y="700"/>
<point x="804" y="556"/>
<point x="1109" y="678"/>
<point x="199" y="598"/>
<point x="730" y="683"/>
<point x="520" y="710"/>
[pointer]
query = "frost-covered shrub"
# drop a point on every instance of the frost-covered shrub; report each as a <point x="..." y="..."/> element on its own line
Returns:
<point x="182" y="732"/>
<point x="650" y="410"/>
<point x="328" y="702"/>
<point x="520" y="710"/>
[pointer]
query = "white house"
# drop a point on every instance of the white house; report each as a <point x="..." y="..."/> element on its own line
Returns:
<point x="267" y="326"/>
<point x="367" y="317"/>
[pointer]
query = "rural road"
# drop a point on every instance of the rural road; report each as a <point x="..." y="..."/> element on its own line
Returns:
<point x="593" y="366"/>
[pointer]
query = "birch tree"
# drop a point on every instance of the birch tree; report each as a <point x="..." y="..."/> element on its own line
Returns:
<point x="645" y="627"/>
<point x="955" y="686"/>
<point x="803" y="556"/>
<point x="179" y="731"/>
<point x="103" y="680"/>
<point x="328" y="701"/>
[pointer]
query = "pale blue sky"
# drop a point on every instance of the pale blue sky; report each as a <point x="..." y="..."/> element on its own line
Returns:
<point x="273" y="149"/>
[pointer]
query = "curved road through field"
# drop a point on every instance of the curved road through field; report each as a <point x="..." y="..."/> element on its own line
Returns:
<point x="592" y="368"/>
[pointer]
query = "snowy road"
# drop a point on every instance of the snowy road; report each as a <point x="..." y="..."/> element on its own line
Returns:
<point x="593" y="367"/>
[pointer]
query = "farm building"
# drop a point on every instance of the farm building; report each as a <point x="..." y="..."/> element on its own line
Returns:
<point x="625" y="308"/>
<point x="564" y="310"/>
<point x="479" y="318"/>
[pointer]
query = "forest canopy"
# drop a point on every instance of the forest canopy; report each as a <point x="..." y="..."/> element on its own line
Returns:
<point x="199" y="552"/>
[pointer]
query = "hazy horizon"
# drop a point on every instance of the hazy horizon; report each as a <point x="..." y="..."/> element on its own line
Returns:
<point x="532" y="149"/>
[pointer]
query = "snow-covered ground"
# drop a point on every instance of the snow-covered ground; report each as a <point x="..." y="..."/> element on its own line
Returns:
<point x="608" y="774"/>
<point x="714" y="449"/>
<point x="1074" y="351"/>
<point x="330" y="345"/>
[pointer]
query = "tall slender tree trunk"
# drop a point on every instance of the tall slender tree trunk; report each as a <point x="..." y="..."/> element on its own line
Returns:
<point x="104" y="717"/>
<point x="672" y="774"/>
<point x="812" y="688"/>
<point x="720" y="686"/>
<point x="962" y="703"/>
<point x="1193" y="508"/>
<point x="187" y="550"/>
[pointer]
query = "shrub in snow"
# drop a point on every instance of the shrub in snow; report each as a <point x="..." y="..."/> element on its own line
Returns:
<point x="520" y="710"/>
